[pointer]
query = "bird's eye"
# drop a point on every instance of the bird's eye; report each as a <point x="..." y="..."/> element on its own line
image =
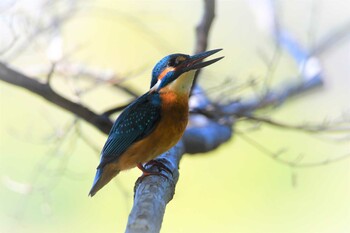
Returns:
<point x="176" y="61"/>
<point x="172" y="62"/>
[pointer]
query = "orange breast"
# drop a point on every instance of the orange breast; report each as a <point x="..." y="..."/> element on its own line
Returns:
<point x="174" y="118"/>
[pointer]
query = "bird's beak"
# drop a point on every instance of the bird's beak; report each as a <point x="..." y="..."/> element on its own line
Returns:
<point x="195" y="61"/>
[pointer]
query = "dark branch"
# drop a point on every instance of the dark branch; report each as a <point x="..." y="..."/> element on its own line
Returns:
<point x="13" y="77"/>
<point x="202" y="30"/>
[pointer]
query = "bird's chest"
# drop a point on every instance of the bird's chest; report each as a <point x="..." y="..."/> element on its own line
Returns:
<point x="170" y="128"/>
<point x="174" y="118"/>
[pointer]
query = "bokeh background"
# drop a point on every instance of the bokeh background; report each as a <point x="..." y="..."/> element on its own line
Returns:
<point x="46" y="167"/>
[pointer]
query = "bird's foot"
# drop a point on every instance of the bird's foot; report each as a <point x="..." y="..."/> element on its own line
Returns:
<point x="159" y="165"/>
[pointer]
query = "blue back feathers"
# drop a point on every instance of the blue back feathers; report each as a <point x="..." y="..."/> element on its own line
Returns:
<point x="137" y="121"/>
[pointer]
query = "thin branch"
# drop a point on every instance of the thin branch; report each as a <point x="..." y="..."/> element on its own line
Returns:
<point x="41" y="28"/>
<point x="273" y="98"/>
<point x="332" y="39"/>
<point x="316" y="128"/>
<point x="50" y="74"/>
<point x="96" y="75"/>
<point x="296" y="163"/>
<point x="10" y="46"/>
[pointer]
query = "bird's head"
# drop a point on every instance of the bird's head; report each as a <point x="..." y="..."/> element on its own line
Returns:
<point x="176" y="71"/>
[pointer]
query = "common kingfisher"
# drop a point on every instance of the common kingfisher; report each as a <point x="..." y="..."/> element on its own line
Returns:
<point x="154" y="122"/>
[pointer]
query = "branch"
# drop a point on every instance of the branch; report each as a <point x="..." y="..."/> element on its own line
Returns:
<point x="45" y="25"/>
<point x="44" y="90"/>
<point x="332" y="39"/>
<point x="304" y="127"/>
<point x="92" y="73"/>
<point x="202" y="31"/>
<point x="147" y="214"/>
<point x="276" y="156"/>
<point x="153" y="192"/>
<point x="203" y="28"/>
<point x="273" y="98"/>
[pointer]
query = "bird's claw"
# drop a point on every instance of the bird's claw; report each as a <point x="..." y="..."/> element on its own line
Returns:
<point x="147" y="172"/>
<point x="159" y="165"/>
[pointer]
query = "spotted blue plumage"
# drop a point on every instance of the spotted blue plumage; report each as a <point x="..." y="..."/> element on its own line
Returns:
<point x="137" y="121"/>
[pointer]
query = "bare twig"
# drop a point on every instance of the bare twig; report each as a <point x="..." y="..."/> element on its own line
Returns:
<point x="316" y="128"/>
<point x="10" y="46"/>
<point x="50" y="74"/>
<point x="331" y="39"/>
<point x="96" y="75"/>
<point x="42" y="27"/>
<point x="273" y="98"/>
<point x="296" y="163"/>
<point x="42" y="168"/>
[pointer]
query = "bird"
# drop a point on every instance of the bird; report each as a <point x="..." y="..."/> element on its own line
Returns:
<point x="155" y="121"/>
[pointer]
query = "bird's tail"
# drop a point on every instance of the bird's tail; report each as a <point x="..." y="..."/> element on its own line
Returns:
<point x="103" y="176"/>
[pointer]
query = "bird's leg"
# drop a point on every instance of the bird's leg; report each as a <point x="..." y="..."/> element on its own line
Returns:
<point x="160" y="165"/>
<point x="148" y="172"/>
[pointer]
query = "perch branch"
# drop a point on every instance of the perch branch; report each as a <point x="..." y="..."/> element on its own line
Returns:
<point x="147" y="214"/>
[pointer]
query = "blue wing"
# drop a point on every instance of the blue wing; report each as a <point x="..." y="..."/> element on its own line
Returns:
<point x="138" y="120"/>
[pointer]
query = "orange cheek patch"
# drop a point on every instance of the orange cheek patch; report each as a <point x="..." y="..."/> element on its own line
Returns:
<point x="164" y="72"/>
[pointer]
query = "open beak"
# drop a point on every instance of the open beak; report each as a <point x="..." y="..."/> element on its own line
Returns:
<point x="195" y="61"/>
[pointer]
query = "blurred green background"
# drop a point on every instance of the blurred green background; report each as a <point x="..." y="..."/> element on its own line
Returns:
<point x="46" y="168"/>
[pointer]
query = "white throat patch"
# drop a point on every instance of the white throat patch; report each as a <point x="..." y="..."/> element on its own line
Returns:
<point x="183" y="83"/>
